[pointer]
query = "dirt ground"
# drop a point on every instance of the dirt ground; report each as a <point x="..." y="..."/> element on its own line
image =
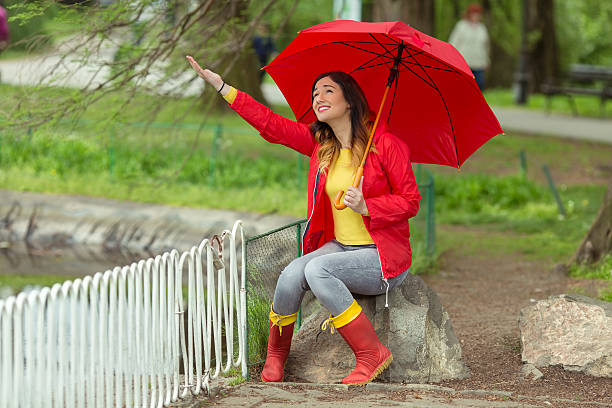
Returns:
<point x="484" y="296"/>
<point x="484" y="293"/>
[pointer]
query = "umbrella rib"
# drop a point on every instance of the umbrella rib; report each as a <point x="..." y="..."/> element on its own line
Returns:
<point x="381" y="44"/>
<point x="304" y="114"/>
<point x="412" y="55"/>
<point x="370" y="66"/>
<point x="429" y="55"/>
<point x="420" y="77"/>
<point x="446" y="108"/>
<point x="362" y="66"/>
<point x="353" y="46"/>
<point x="432" y="67"/>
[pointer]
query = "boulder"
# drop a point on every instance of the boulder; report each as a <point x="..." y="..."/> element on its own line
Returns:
<point x="415" y="327"/>
<point x="569" y="330"/>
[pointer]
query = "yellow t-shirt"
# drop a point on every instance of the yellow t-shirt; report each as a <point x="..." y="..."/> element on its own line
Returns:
<point x="348" y="225"/>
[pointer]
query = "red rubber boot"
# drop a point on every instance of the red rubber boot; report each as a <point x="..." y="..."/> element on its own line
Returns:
<point x="279" y="344"/>
<point x="371" y="355"/>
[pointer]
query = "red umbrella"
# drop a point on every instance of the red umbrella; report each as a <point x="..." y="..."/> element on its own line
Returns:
<point x="434" y="103"/>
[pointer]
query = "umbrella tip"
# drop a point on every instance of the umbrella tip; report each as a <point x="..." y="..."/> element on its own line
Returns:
<point x="503" y="133"/>
<point x="458" y="169"/>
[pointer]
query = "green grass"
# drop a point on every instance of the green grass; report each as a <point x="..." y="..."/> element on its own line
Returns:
<point x="258" y="310"/>
<point x="18" y="282"/>
<point x="600" y="270"/>
<point x="586" y="105"/>
<point x="533" y="228"/>
<point x="606" y="294"/>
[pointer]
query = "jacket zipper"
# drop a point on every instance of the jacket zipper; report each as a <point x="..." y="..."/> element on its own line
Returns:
<point x="314" y="199"/>
<point x="382" y="275"/>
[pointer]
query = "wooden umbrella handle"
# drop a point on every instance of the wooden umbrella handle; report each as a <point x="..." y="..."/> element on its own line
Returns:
<point x="338" y="203"/>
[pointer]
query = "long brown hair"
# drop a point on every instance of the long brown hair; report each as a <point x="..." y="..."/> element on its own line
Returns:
<point x="359" y="117"/>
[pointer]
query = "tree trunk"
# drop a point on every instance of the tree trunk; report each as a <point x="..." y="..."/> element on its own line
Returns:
<point x="501" y="70"/>
<point x="543" y="46"/>
<point x="598" y="240"/>
<point x="418" y="13"/>
<point x="245" y="74"/>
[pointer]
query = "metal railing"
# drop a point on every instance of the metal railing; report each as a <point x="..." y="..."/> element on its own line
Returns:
<point x="117" y="338"/>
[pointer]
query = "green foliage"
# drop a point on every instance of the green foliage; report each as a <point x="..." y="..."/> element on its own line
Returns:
<point x="258" y="310"/>
<point x="136" y="159"/>
<point x="422" y="264"/>
<point x="28" y="23"/>
<point x="584" y="31"/>
<point x="306" y="14"/>
<point x="600" y="270"/>
<point x="19" y="282"/>
<point x="606" y="294"/>
<point x="236" y="380"/>
<point x="481" y="193"/>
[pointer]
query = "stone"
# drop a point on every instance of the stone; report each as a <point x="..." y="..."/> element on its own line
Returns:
<point x="530" y="371"/>
<point x="569" y="330"/>
<point x="415" y="327"/>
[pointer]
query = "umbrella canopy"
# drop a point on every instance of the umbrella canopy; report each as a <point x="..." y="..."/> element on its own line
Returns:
<point x="434" y="103"/>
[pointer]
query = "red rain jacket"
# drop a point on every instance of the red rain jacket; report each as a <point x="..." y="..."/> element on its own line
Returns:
<point x="389" y="187"/>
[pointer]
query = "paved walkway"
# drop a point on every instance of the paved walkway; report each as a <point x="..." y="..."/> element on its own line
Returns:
<point x="277" y="395"/>
<point x="535" y="122"/>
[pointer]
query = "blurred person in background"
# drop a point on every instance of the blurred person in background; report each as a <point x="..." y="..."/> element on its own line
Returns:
<point x="471" y="39"/>
<point x="263" y="44"/>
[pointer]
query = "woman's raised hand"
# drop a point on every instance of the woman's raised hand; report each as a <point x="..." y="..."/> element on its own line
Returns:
<point x="212" y="78"/>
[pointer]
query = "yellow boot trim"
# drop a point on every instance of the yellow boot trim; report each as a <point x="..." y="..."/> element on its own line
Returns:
<point x="343" y="318"/>
<point x="280" y="321"/>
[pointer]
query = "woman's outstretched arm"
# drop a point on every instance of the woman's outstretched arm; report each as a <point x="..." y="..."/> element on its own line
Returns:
<point x="272" y="127"/>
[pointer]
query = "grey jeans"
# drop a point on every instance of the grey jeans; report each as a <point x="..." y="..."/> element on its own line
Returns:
<point x="332" y="272"/>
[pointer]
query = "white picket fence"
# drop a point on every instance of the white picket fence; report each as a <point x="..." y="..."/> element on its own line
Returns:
<point x="117" y="338"/>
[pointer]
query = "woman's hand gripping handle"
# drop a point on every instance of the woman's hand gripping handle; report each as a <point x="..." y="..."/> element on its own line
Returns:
<point x="354" y="196"/>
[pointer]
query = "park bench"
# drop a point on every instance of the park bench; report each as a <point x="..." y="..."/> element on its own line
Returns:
<point x="581" y="80"/>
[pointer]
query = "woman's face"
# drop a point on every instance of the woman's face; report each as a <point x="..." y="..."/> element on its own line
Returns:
<point x="328" y="101"/>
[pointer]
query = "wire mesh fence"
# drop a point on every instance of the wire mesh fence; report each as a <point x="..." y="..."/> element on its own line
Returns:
<point x="266" y="256"/>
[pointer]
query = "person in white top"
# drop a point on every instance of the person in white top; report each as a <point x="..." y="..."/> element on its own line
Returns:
<point x="471" y="39"/>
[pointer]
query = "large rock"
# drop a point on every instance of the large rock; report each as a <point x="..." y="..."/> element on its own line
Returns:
<point x="571" y="330"/>
<point x="415" y="328"/>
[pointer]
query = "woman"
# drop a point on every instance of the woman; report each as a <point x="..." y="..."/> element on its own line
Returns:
<point x="471" y="39"/>
<point x="363" y="249"/>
